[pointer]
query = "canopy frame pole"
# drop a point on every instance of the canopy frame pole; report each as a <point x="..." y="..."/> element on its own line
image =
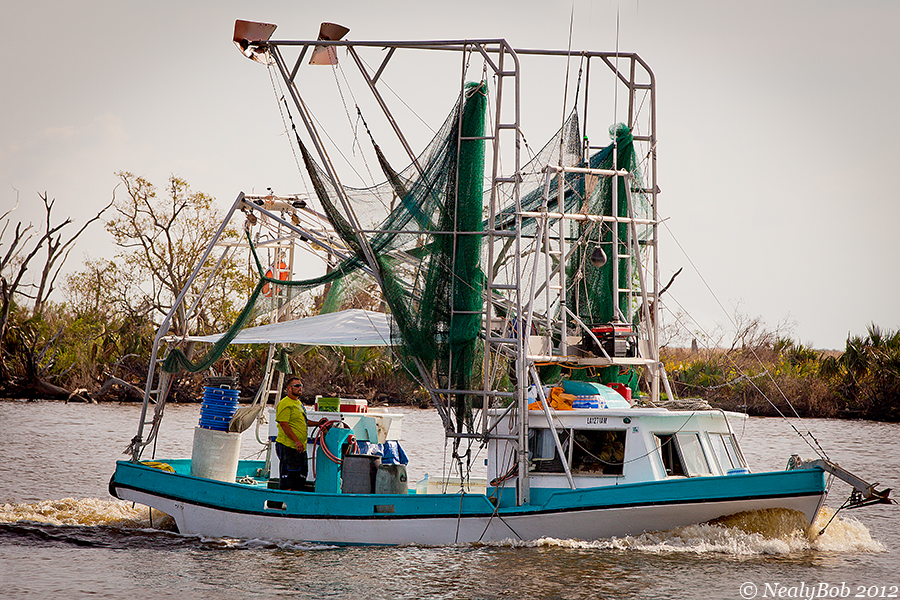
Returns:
<point x="137" y="444"/>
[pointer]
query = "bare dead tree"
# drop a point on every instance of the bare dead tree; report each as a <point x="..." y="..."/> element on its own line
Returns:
<point x="161" y="237"/>
<point x="58" y="252"/>
<point x="20" y="250"/>
<point x="13" y="266"/>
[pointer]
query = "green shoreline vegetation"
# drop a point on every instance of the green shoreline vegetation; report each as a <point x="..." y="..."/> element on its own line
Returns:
<point x="95" y="345"/>
<point x="106" y="360"/>
<point x="784" y="377"/>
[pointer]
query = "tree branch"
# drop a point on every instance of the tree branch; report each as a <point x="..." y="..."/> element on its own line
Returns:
<point x="59" y="251"/>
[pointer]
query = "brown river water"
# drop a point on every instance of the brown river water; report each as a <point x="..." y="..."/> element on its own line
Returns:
<point x="63" y="536"/>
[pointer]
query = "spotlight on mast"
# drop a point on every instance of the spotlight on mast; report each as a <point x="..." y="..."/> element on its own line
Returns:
<point x="327" y="55"/>
<point x="251" y="38"/>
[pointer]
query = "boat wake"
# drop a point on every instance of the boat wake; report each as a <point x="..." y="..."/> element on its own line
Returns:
<point x="88" y="522"/>
<point x="764" y="532"/>
<point x="85" y="512"/>
<point x="112" y="524"/>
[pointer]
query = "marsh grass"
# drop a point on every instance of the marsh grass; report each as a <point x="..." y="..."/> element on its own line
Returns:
<point x="784" y="377"/>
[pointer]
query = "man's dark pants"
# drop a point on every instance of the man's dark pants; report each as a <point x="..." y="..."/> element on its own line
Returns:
<point x="292" y="467"/>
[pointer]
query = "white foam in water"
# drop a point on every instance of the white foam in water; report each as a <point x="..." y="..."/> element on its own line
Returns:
<point x="259" y="543"/>
<point x="774" y="531"/>
<point x="843" y="535"/>
<point x="85" y="512"/>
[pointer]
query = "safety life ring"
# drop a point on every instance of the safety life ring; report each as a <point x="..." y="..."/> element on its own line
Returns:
<point x="281" y="268"/>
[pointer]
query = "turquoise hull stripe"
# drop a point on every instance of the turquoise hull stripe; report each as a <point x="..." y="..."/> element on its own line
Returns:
<point x="247" y="499"/>
<point x="685" y="490"/>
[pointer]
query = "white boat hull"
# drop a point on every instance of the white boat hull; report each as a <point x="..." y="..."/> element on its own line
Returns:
<point x="579" y="524"/>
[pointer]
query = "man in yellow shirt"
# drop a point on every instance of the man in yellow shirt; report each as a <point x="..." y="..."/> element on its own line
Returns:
<point x="290" y="444"/>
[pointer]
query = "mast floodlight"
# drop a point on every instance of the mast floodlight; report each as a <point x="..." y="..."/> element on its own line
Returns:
<point x="327" y="55"/>
<point x="251" y="37"/>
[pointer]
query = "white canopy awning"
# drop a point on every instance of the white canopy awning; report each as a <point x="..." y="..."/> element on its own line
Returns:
<point x="354" y="327"/>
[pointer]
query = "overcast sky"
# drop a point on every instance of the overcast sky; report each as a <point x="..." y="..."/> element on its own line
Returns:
<point x="778" y="126"/>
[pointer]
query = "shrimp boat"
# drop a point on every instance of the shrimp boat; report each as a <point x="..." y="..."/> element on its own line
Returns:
<point x="520" y="288"/>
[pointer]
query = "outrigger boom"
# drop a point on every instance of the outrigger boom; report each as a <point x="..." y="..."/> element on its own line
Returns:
<point x="863" y="494"/>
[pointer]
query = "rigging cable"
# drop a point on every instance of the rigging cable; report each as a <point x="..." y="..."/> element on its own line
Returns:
<point x="818" y="447"/>
<point x="297" y="137"/>
<point x="353" y="127"/>
<point x="280" y="98"/>
<point x="402" y="101"/>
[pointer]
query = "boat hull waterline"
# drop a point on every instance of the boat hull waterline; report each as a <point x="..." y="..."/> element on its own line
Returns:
<point x="232" y="510"/>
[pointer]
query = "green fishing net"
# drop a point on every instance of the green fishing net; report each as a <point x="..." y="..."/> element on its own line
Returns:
<point x="421" y="234"/>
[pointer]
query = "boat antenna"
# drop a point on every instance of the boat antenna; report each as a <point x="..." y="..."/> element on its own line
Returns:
<point x="566" y="84"/>
<point x="616" y="96"/>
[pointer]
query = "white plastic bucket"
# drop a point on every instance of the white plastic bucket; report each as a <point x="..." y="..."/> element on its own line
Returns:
<point x="215" y="454"/>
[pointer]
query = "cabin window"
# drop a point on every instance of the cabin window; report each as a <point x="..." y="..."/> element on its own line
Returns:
<point x="725" y="449"/>
<point x="544" y="457"/>
<point x="668" y="451"/>
<point x="682" y="454"/>
<point x="692" y="455"/>
<point x="598" y="452"/>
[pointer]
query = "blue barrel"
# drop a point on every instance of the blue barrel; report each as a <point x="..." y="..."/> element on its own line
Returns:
<point x="218" y="407"/>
